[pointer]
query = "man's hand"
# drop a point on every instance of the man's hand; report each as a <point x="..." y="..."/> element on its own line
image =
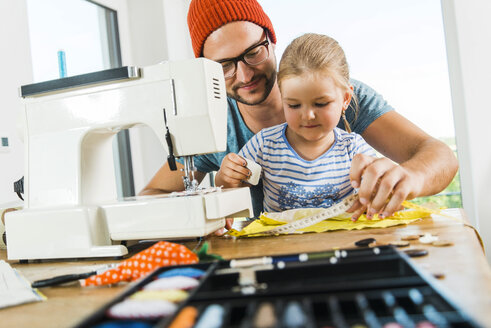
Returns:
<point x="426" y="166"/>
<point x="383" y="185"/>
<point x="232" y="171"/>
<point x="228" y="226"/>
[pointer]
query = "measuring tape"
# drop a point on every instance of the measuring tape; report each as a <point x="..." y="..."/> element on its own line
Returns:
<point x="334" y="212"/>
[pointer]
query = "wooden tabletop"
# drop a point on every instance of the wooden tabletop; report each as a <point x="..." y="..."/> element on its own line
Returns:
<point x="467" y="275"/>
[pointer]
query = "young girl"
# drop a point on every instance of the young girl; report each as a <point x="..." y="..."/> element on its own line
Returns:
<point x="305" y="161"/>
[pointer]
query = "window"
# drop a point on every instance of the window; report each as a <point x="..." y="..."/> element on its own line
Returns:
<point x="87" y="33"/>
<point x="396" y="47"/>
<point x="79" y="28"/>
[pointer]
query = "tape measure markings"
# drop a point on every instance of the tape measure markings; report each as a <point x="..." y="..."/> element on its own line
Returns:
<point x="330" y="212"/>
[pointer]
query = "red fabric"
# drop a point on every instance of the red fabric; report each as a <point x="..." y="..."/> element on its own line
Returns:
<point x="161" y="254"/>
<point x="205" y="16"/>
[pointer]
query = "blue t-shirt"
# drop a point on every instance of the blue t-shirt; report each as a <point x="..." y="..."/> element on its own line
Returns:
<point x="371" y="106"/>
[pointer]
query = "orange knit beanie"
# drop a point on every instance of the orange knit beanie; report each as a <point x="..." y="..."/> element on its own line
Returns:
<point x="205" y="16"/>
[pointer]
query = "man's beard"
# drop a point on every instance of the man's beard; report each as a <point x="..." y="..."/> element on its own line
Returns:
<point x="268" y="86"/>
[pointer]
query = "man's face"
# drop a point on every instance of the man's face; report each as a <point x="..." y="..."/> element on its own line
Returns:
<point x="250" y="85"/>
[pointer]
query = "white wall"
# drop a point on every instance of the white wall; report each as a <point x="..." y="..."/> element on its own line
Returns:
<point x="468" y="37"/>
<point x="16" y="71"/>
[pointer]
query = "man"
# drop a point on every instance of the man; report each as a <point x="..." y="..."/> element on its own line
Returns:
<point x="233" y="32"/>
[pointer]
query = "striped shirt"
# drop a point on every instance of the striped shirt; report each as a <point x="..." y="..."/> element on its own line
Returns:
<point x="289" y="181"/>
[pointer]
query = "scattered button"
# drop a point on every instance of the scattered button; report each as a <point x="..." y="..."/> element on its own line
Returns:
<point x="399" y="243"/>
<point x="442" y="243"/>
<point x="439" y="275"/>
<point x="410" y="237"/>
<point x="428" y="238"/>
<point x="365" y="242"/>
<point x="416" y="252"/>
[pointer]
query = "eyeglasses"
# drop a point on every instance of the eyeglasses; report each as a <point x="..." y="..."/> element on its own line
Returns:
<point x="252" y="56"/>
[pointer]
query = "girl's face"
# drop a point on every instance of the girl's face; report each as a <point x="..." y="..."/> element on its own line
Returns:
<point x="313" y="104"/>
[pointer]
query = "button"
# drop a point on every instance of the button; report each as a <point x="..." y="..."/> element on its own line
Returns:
<point x="399" y="243"/>
<point x="439" y="275"/>
<point x="416" y="252"/>
<point x="365" y="242"/>
<point x="442" y="243"/>
<point x="410" y="237"/>
<point x="428" y="238"/>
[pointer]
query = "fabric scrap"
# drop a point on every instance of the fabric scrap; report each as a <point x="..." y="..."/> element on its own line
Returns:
<point x="268" y="221"/>
<point x="139" y="265"/>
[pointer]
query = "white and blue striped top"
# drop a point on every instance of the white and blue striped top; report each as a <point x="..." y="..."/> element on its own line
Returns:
<point x="289" y="181"/>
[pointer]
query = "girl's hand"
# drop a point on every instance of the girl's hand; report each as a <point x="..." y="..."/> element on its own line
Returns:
<point x="232" y="171"/>
<point x="383" y="185"/>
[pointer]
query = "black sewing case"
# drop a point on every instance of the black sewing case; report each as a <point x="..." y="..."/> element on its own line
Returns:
<point x="363" y="287"/>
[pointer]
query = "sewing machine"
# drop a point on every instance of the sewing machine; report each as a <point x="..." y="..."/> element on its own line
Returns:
<point x="71" y="206"/>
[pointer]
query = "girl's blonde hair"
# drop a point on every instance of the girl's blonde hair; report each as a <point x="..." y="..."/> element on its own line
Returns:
<point x="317" y="53"/>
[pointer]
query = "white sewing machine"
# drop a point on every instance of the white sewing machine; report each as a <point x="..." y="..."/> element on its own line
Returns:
<point x="71" y="208"/>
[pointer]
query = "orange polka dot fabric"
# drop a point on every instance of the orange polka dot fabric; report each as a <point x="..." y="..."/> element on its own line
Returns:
<point x="161" y="254"/>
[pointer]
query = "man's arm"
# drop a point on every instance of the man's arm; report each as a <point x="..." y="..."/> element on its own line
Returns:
<point x="426" y="167"/>
<point x="167" y="181"/>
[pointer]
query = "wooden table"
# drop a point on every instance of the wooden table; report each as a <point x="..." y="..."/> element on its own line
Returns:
<point x="467" y="278"/>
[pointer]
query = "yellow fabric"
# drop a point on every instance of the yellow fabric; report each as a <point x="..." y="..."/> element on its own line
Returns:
<point x="407" y="204"/>
<point x="268" y="221"/>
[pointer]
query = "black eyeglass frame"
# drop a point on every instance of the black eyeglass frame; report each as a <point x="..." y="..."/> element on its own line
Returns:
<point x="241" y="57"/>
